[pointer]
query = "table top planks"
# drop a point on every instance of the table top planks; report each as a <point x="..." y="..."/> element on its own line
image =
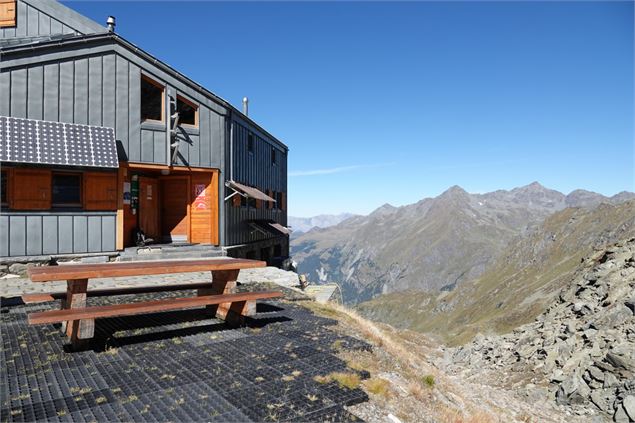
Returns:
<point x="114" y="270"/>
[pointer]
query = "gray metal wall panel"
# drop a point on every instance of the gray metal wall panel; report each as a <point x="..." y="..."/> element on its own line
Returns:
<point x="194" y="150"/>
<point x="33" y="235"/>
<point x="206" y="134"/>
<point x="81" y="91"/>
<point x="56" y="26"/>
<point x="18" y="93"/>
<point x="49" y="235"/>
<point x="147" y="145"/>
<point x="94" y="234"/>
<point x="51" y="91"/>
<point x="65" y="234"/>
<point x="95" y="84"/>
<point x="134" y="114"/>
<point x="109" y="90"/>
<point x="108" y="233"/>
<point x="158" y="144"/>
<point x="17" y="235"/>
<point x="4" y="236"/>
<point x="5" y="88"/>
<point x="33" y="20"/>
<point x="44" y="24"/>
<point x="35" y="91"/>
<point x="20" y="30"/>
<point x="66" y="92"/>
<point x="121" y="124"/>
<point x="80" y="234"/>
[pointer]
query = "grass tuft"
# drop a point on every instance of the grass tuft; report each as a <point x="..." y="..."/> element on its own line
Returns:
<point x="428" y="380"/>
<point x="377" y="386"/>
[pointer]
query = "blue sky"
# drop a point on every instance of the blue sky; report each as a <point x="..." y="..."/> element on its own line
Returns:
<point x="393" y="102"/>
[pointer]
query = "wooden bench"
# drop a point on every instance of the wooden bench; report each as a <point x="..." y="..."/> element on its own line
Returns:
<point x="218" y="296"/>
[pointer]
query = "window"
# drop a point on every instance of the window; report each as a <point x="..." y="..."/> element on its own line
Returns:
<point x="243" y="201"/>
<point x="279" y="200"/>
<point x="152" y="100"/>
<point x="273" y="156"/>
<point x="188" y="111"/>
<point x="250" y="143"/>
<point x="67" y="190"/>
<point x="4" y="186"/>
<point x="252" y="202"/>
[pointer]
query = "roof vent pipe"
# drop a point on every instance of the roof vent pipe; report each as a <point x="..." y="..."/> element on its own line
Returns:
<point x="245" y="106"/>
<point x="110" y="23"/>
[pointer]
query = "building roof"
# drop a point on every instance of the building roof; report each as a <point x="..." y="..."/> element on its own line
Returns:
<point x="35" y="46"/>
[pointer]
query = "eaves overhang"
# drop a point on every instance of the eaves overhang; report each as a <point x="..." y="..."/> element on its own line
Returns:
<point x="34" y="48"/>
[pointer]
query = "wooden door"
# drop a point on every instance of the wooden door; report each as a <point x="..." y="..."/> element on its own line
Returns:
<point x="149" y="207"/>
<point x="175" y="208"/>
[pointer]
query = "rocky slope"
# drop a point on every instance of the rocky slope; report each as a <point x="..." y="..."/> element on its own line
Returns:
<point x="435" y="244"/>
<point x="519" y="284"/>
<point x="582" y="348"/>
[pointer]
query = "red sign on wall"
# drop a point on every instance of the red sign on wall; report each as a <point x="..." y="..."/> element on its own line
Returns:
<point x="201" y="200"/>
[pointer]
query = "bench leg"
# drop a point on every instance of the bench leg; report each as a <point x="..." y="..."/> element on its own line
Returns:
<point x="236" y="313"/>
<point x="78" y="330"/>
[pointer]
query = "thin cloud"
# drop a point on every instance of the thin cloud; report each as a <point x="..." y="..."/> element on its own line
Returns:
<point x="333" y="170"/>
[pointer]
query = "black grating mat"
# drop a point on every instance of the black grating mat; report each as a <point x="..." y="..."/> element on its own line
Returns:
<point x="175" y="366"/>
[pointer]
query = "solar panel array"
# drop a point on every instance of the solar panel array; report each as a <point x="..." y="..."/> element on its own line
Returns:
<point x="46" y="142"/>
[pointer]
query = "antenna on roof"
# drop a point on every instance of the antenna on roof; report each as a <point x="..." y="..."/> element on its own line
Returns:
<point x="245" y="106"/>
<point x="111" y="23"/>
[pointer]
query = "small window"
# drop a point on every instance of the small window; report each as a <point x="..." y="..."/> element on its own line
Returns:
<point x="188" y="111"/>
<point x="243" y="201"/>
<point x="250" y="143"/>
<point x="67" y="190"/>
<point x="279" y="200"/>
<point x="273" y="156"/>
<point x="252" y="202"/>
<point x="4" y="186"/>
<point x="152" y="101"/>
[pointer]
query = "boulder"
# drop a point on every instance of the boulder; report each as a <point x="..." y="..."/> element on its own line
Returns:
<point x="629" y="406"/>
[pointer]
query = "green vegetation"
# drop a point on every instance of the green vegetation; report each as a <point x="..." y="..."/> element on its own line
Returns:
<point x="428" y="380"/>
<point x="377" y="386"/>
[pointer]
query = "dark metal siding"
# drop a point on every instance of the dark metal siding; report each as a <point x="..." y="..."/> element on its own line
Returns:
<point x="254" y="169"/>
<point x="47" y="233"/>
<point x="104" y="89"/>
<point x="38" y="18"/>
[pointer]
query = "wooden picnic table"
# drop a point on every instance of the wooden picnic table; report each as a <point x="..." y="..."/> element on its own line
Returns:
<point x="218" y="296"/>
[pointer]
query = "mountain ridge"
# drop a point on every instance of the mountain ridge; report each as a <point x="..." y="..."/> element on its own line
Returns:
<point x="432" y="245"/>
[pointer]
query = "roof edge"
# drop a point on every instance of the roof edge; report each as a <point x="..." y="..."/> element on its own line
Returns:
<point x="53" y="8"/>
<point x="86" y="38"/>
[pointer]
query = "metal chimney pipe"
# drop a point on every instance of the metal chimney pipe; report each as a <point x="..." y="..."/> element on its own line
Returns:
<point x="245" y="106"/>
<point x="111" y="23"/>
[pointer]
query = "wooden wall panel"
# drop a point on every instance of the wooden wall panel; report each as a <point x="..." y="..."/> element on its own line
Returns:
<point x="31" y="189"/>
<point x="100" y="191"/>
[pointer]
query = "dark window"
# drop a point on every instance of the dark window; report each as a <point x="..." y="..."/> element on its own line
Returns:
<point x="279" y="200"/>
<point x="273" y="156"/>
<point x="277" y="250"/>
<point x="3" y="184"/>
<point x="243" y="201"/>
<point x="151" y="100"/>
<point x="67" y="189"/>
<point x="250" y="143"/>
<point x="252" y="202"/>
<point x="188" y="112"/>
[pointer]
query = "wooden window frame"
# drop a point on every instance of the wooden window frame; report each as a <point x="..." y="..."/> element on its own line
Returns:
<point x="162" y="87"/>
<point x="79" y="205"/>
<point x="192" y="105"/>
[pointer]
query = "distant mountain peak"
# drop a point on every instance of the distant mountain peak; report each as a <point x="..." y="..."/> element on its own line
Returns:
<point x="454" y="191"/>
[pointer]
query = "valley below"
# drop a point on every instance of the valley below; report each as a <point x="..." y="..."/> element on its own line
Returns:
<point x="529" y="290"/>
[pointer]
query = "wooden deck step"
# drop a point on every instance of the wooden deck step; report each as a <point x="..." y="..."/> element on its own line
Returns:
<point x="55" y="316"/>
<point x="52" y="296"/>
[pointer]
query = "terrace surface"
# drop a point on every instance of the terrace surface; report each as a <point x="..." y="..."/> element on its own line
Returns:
<point x="175" y="366"/>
